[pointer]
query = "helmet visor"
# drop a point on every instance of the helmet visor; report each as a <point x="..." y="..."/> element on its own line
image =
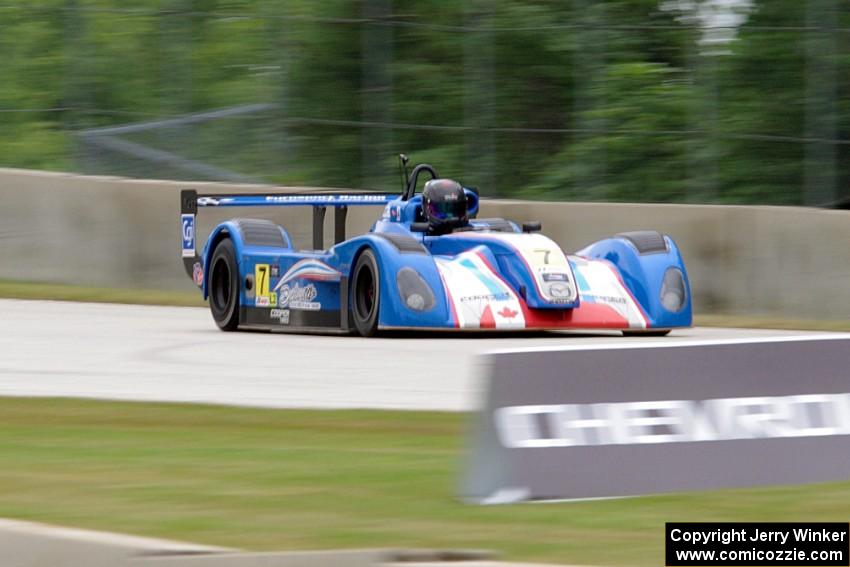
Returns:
<point x="447" y="210"/>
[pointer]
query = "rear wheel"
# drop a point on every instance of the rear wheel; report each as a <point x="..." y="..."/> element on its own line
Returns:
<point x="366" y="294"/>
<point x="224" y="286"/>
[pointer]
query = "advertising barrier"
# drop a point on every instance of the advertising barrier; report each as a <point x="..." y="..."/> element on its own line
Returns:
<point x="641" y="418"/>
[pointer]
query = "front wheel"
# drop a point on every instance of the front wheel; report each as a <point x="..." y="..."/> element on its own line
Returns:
<point x="366" y="294"/>
<point x="224" y="286"/>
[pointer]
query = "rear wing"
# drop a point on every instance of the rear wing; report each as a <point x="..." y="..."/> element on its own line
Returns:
<point x="191" y="201"/>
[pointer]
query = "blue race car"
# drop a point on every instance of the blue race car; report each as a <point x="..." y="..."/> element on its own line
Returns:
<point x="427" y="263"/>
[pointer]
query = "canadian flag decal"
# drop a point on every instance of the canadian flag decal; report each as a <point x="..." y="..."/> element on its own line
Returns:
<point x="508" y="313"/>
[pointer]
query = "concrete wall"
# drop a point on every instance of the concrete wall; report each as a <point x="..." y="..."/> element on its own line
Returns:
<point x="102" y="231"/>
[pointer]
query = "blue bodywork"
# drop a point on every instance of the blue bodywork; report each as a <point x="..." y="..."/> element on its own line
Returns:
<point x="490" y="275"/>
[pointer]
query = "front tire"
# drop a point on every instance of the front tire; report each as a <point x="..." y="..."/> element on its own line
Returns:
<point x="224" y="286"/>
<point x="366" y="294"/>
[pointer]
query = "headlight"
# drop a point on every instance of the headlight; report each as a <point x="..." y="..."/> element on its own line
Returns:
<point x="673" y="293"/>
<point x="414" y="291"/>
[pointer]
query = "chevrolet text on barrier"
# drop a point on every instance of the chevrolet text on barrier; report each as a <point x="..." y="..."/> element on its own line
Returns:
<point x="427" y="263"/>
<point x="618" y="420"/>
<point x="673" y="421"/>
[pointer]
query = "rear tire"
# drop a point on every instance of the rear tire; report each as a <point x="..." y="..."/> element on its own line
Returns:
<point x="647" y="333"/>
<point x="366" y="294"/>
<point x="224" y="286"/>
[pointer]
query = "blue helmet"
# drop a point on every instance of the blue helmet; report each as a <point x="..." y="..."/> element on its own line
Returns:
<point x="444" y="205"/>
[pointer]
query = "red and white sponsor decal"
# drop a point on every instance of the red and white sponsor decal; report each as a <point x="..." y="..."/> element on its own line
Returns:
<point x="605" y="287"/>
<point x="479" y="297"/>
<point x="546" y="262"/>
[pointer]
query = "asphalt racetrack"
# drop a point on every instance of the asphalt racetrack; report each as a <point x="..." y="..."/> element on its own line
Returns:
<point x="177" y="354"/>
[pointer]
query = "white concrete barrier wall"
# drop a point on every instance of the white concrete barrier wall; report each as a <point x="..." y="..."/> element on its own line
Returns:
<point x="112" y="232"/>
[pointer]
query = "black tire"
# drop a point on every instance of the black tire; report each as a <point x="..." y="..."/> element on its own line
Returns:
<point x="224" y="286"/>
<point x="366" y="294"/>
<point x="647" y="333"/>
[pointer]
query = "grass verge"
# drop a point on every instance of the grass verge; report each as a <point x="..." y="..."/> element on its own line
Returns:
<point x="278" y="480"/>
<point x="61" y="292"/>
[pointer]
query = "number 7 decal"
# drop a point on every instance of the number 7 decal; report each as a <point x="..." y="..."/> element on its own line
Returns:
<point x="264" y="297"/>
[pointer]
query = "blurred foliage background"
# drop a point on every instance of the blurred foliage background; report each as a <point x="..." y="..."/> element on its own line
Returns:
<point x="701" y="101"/>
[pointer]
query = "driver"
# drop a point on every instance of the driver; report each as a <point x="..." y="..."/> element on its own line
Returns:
<point x="444" y="206"/>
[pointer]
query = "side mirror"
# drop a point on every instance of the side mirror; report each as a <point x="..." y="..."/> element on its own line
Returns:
<point x="532" y="226"/>
<point x="419" y="227"/>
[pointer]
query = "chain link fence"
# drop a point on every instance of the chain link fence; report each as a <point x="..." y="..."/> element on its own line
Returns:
<point x="701" y="101"/>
